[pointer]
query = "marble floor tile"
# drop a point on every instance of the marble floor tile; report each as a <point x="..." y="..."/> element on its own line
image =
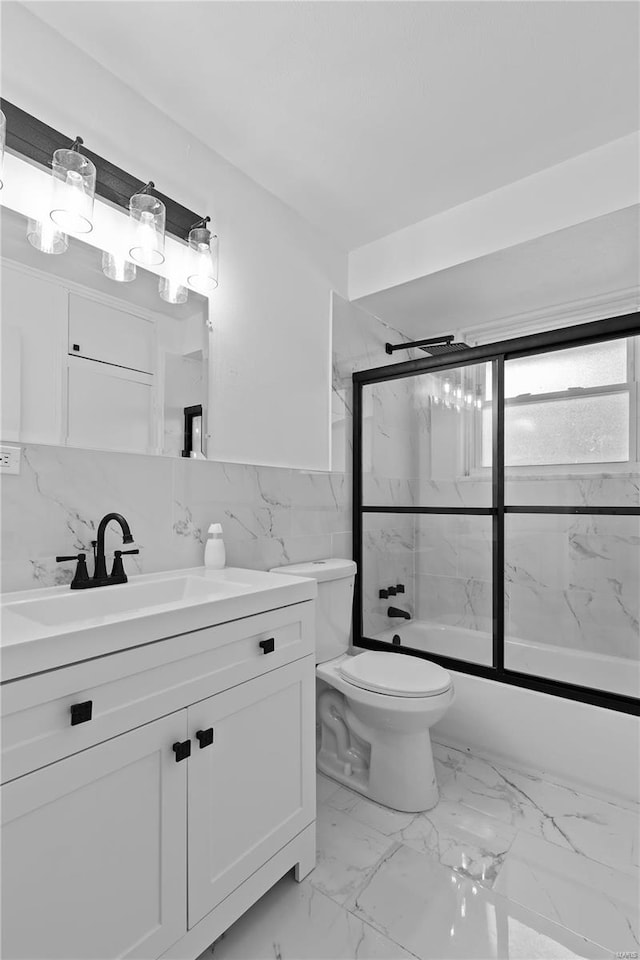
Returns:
<point x="434" y="913"/>
<point x="589" y="898"/>
<point x="296" y="922"/>
<point x="595" y="828"/>
<point x="458" y="836"/>
<point x="348" y="852"/>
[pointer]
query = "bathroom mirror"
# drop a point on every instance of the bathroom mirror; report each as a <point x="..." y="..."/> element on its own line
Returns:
<point x="88" y="361"/>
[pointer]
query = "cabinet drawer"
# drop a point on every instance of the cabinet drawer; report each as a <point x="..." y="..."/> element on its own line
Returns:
<point x="135" y="686"/>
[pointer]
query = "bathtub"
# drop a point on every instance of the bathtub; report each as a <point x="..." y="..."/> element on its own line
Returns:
<point x="582" y="667"/>
<point x="581" y="745"/>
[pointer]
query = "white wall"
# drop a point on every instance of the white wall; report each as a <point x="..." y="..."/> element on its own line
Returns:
<point x="271" y="365"/>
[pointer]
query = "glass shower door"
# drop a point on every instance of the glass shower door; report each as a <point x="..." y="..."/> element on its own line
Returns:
<point x="427" y="513"/>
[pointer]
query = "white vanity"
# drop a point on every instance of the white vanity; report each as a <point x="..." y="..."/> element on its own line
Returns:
<point x="158" y="759"/>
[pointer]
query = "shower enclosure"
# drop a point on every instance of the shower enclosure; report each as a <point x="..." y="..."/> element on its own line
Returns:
<point x="497" y="510"/>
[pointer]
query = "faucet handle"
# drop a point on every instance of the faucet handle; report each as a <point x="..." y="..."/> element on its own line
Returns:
<point x="117" y="571"/>
<point x="81" y="577"/>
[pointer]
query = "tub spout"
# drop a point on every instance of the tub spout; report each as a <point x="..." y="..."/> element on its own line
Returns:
<point x="395" y="612"/>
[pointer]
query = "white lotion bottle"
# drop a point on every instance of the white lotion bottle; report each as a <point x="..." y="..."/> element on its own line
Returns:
<point x="214" y="552"/>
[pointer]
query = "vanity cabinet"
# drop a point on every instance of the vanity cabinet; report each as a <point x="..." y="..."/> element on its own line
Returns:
<point x="152" y="841"/>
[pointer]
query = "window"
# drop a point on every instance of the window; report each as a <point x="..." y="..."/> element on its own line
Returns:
<point x="570" y="406"/>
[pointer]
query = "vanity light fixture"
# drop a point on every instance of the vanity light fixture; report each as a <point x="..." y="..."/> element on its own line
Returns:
<point x="74" y="188"/>
<point x="3" y="137"/>
<point x="43" y="235"/>
<point x="203" y="253"/>
<point x="172" y="291"/>
<point x="147" y="219"/>
<point x="118" y="268"/>
<point x="77" y="176"/>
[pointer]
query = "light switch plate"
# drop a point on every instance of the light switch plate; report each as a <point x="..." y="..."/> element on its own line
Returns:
<point x="10" y="459"/>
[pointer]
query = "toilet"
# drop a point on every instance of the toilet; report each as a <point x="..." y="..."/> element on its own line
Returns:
<point x="374" y="709"/>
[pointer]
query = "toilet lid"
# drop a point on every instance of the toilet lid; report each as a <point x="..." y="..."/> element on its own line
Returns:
<point x="395" y="674"/>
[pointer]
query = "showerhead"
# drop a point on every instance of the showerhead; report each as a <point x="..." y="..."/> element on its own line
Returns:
<point x="438" y="348"/>
<point x="434" y="346"/>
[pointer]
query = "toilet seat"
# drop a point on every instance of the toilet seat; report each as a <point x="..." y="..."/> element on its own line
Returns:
<point x="395" y="674"/>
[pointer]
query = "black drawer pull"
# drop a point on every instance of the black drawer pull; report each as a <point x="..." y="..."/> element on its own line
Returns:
<point x="205" y="737"/>
<point x="81" y="712"/>
<point x="182" y="750"/>
<point x="268" y="646"/>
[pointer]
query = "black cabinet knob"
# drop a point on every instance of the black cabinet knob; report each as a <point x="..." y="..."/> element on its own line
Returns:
<point x="268" y="646"/>
<point x="81" y="712"/>
<point x="182" y="750"/>
<point x="205" y="737"/>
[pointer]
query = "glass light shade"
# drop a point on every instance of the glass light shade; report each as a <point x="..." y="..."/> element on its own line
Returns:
<point x="43" y="235"/>
<point x="172" y="291"/>
<point x="3" y="137"/>
<point x="147" y="217"/>
<point x="203" y="260"/>
<point x="74" y="187"/>
<point x="118" y="267"/>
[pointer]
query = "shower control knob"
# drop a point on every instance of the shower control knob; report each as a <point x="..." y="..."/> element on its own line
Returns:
<point x="400" y="587"/>
<point x="391" y="591"/>
<point x="383" y="594"/>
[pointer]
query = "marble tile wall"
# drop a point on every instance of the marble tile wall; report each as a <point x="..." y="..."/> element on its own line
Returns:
<point x="358" y="344"/>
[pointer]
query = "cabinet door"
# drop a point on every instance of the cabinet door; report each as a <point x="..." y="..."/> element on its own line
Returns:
<point x="100" y="331"/>
<point x="252" y="789"/>
<point x="109" y="408"/>
<point x="94" y="851"/>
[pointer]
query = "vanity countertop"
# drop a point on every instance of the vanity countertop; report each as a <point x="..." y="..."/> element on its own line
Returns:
<point x="43" y="629"/>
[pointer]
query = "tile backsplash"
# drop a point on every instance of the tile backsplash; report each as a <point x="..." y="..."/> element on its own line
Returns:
<point x="270" y="516"/>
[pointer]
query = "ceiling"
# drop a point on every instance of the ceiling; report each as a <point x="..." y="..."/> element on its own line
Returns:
<point x="590" y="260"/>
<point x="366" y="117"/>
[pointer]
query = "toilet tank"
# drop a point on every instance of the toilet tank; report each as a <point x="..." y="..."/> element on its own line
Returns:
<point x="334" y="605"/>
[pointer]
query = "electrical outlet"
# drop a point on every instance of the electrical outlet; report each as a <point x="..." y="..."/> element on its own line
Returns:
<point x="10" y="459"/>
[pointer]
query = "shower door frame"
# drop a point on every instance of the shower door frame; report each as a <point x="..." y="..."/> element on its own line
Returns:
<point x="598" y="331"/>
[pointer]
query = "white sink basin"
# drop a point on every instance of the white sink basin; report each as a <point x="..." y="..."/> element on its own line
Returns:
<point x="46" y="628"/>
<point x="126" y="598"/>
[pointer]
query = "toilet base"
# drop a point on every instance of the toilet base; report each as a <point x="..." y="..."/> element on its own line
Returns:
<point x="331" y="767"/>
<point x="396" y="777"/>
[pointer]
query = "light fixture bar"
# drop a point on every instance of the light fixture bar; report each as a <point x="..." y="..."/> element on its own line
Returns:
<point x="35" y="140"/>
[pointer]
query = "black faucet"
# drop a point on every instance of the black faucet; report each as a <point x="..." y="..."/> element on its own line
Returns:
<point x="395" y="612"/>
<point x="100" y="578"/>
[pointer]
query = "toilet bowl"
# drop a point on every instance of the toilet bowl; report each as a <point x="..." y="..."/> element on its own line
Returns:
<point x="374" y="709"/>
